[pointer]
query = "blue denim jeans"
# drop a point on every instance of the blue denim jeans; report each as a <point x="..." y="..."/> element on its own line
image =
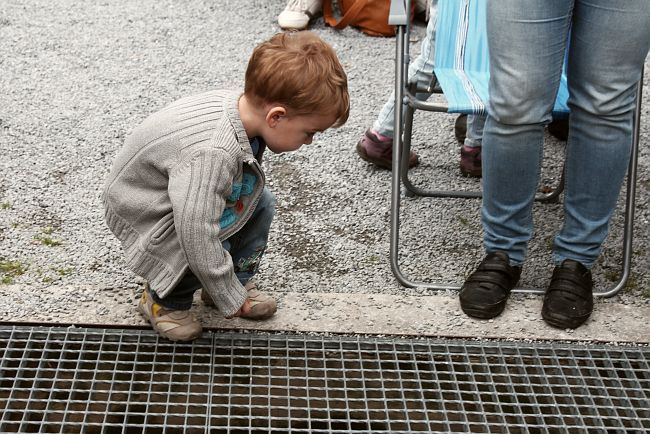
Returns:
<point x="421" y="69"/>
<point x="246" y="248"/>
<point x="607" y="42"/>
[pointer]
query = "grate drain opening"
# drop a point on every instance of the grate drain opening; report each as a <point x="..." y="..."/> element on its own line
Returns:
<point x="53" y="380"/>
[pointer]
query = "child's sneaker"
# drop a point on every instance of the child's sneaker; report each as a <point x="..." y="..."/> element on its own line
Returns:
<point x="297" y="13"/>
<point x="175" y="325"/>
<point x="262" y="306"/>
<point x="470" y="161"/>
<point x="379" y="151"/>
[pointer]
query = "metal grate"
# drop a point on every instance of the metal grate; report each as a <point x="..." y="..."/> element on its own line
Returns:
<point x="68" y="380"/>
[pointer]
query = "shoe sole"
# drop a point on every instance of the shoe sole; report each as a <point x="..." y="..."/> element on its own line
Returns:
<point x="376" y="161"/>
<point x="298" y="25"/>
<point x="294" y="27"/>
<point x="471" y="173"/>
<point x="262" y="313"/>
<point x="564" y="322"/>
<point x="384" y="164"/>
<point x="482" y="312"/>
<point x="145" y="315"/>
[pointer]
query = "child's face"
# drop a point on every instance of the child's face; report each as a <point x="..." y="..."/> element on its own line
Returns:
<point x="289" y="133"/>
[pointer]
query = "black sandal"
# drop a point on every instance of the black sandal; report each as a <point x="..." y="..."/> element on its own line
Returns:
<point x="569" y="298"/>
<point x="486" y="290"/>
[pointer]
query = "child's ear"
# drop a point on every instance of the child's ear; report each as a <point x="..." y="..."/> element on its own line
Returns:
<point x="274" y="115"/>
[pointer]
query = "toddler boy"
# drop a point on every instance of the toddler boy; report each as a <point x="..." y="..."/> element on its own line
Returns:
<point x="186" y="195"/>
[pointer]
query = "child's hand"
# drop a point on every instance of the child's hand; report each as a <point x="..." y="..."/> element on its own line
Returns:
<point x="243" y="310"/>
<point x="257" y="306"/>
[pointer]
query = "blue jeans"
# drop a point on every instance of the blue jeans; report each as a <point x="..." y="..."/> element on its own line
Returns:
<point x="421" y="69"/>
<point x="245" y="247"/>
<point x="607" y="42"/>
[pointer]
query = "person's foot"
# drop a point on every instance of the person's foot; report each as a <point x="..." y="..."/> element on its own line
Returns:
<point x="261" y="306"/>
<point x="486" y="290"/>
<point x="470" y="161"/>
<point x="379" y="151"/>
<point x="568" y="301"/>
<point x="258" y="305"/>
<point x="175" y="325"/>
<point x="297" y="14"/>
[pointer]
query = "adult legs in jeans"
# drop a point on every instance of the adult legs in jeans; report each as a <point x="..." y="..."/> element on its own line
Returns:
<point x="527" y="41"/>
<point x="602" y="73"/>
<point x="245" y="247"/>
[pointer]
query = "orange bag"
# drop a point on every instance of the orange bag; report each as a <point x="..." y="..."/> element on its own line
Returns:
<point x="369" y="16"/>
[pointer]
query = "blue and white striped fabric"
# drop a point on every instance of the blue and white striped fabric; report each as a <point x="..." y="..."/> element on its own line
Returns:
<point x="461" y="57"/>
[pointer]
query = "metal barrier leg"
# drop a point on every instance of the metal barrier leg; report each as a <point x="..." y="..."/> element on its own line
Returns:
<point x="399" y="165"/>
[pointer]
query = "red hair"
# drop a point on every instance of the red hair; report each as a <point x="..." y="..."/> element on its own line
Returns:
<point x="301" y="72"/>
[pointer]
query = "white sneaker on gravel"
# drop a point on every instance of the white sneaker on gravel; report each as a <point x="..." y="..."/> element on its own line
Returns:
<point x="297" y="13"/>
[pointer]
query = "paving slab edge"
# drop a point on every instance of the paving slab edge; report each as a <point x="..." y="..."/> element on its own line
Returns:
<point x="381" y="314"/>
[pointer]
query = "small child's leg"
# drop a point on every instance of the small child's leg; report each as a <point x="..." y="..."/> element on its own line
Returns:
<point x="246" y="248"/>
<point x="180" y="298"/>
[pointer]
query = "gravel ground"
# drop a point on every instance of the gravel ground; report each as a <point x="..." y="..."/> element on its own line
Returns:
<point x="75" y="77"/>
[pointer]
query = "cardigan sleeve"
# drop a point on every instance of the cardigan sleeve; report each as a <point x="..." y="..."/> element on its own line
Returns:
<point x="198" y="189"/>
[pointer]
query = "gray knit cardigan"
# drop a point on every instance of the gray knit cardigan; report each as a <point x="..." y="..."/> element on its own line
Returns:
<point x="167" y="190"/>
